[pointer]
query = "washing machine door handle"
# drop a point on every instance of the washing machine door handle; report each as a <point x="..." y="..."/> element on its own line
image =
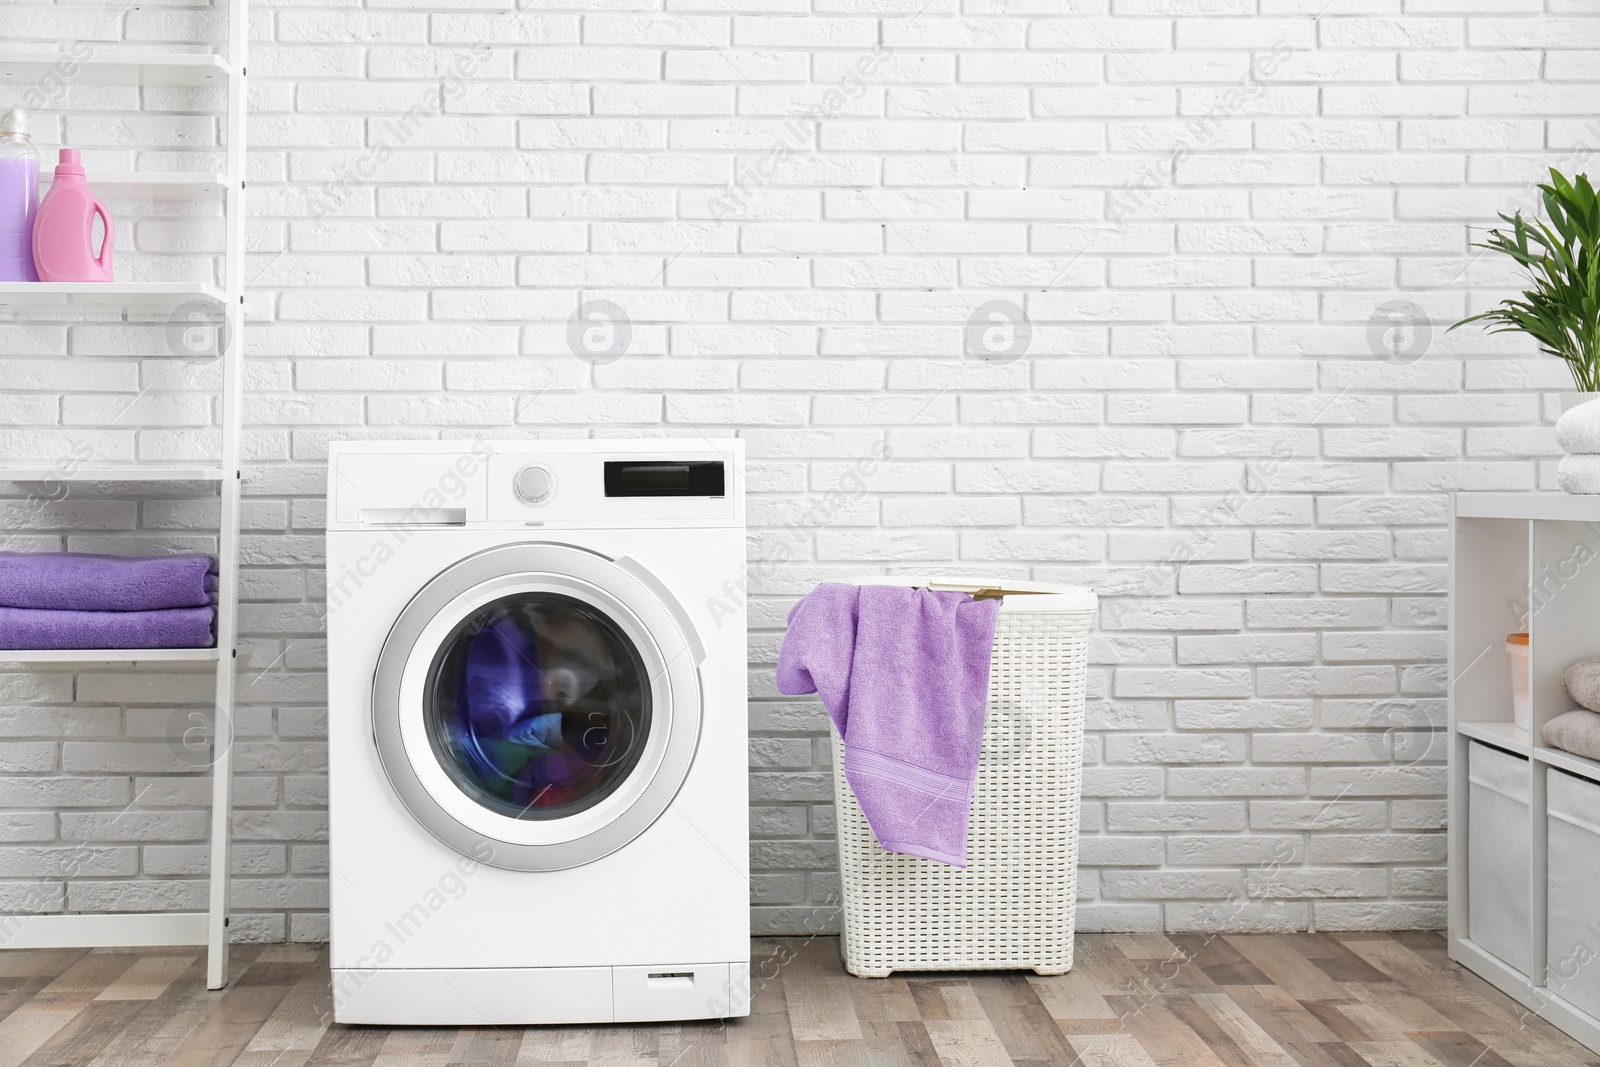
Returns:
<point x="645" y="577"/>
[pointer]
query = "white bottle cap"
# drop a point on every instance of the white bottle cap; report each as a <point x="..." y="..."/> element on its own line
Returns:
<point x="14" y="120"/>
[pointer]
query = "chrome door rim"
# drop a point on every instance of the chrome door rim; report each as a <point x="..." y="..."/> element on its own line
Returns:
<point x="669" y="655"/>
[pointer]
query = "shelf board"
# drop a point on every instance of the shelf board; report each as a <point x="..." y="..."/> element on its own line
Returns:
<point x="119" y="930"/>
<point x="151" y="299"/>
<point x="1504" y="735"/>
<point x="1568" y="761"/>
<point x="107" y="655"/>
<point x="116" y="67"/>
<point x="1564" y="507"/>
<point x="112" y="474"/>
<point x="148" y="185"/>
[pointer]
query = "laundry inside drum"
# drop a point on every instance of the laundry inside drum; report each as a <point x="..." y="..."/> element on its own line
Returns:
<point x="537" y="705"/>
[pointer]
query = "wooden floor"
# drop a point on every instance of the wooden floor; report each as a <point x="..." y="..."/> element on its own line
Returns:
<point x="1315" y="1000"/>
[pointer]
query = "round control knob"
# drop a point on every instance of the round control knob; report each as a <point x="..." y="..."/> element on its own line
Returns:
<point x="535" y="484"/>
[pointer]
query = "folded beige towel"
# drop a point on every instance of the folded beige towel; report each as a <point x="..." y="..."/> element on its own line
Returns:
<point x="1582" y="683"/>
<point x="1577" y="732"/>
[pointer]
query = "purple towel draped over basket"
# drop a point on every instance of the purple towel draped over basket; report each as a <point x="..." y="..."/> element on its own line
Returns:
<point x="70" y="600"/>
<point x="904" y="674"/>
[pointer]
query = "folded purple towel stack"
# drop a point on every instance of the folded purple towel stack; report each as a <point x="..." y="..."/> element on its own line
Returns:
<point x="74" y="600"/>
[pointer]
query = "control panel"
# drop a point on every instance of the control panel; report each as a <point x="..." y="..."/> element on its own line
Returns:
<point x="553" y="484"/>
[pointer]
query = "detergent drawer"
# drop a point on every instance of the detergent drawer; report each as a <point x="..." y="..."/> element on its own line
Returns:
<point x="438" y="488"/>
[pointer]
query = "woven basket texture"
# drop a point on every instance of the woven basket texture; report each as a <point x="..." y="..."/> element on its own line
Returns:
<point x="1013" y="906"/>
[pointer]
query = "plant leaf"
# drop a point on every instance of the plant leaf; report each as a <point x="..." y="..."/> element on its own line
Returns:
<point x="1561" y="256"/>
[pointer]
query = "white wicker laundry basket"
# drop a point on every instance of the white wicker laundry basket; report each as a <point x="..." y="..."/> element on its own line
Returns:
<point x="1013" y="905"/>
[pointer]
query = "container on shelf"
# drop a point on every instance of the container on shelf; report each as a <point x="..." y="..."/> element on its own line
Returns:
<point x="19" y="197"/>
<point x="1572" y="813"/>
<point x="1521" y="699"/>
<point x="1498" y="851"/>
<point x="63" y="231"/>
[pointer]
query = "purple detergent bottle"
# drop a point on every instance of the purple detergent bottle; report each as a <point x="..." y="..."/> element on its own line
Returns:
<point x="19" y="197"/>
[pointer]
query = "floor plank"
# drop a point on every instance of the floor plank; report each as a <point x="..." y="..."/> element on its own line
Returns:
<point x="1243" y="1031"/>
<point x="1283" y="1017"/>
<point x="821" y="1009"/>
<point x="1075" y="998"/>
<point x="1185" y="1000"/>
<point x="227" y="1028"/>
<point x="1111" y="1050"/>
<point x="300" y="1019"/>
<point x="967" y="1043"/>
<point x="148" y="978"/>
<point x="87" y="1035"/>
<point x="1288" y="968"/>
<point x="1023" y="1024"/>
<point x="1166" y="1040"/>
<point x="166" y="1020"/>
<point x="56" y="1005"/>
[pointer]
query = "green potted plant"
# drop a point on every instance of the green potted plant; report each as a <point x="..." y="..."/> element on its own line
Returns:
<point x="1561" y="310"/>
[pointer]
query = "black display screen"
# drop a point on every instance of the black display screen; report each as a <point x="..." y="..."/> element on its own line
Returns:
<point x="665" y="478"/>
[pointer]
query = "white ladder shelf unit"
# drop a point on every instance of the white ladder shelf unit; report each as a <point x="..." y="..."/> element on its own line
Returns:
<point x="63" y="300"/>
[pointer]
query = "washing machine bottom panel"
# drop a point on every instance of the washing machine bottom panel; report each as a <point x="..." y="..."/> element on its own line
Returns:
<point x="522" y="996"/>
<point x="400" y="899"/>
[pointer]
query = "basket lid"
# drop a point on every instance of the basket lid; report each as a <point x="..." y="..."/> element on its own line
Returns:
<point x="1013" y="595"/>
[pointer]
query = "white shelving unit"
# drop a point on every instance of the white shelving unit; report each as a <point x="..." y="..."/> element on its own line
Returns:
<point x="104" y="473"/>
<point x="136" y="300"/>
<point x="197" y="69"/>
<point x="111" y="655"/>
<point x="1519" y="561"/>
<point x="134" y="186"/>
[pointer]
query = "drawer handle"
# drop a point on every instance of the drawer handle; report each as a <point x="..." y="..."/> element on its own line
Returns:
<point x="414" y="516"/>
<point x="672" y="977"/>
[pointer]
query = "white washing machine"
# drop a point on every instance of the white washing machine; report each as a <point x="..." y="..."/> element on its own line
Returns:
<point x="537" y="732"/>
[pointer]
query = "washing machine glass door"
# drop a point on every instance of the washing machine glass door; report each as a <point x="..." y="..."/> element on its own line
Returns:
<point x="537" y="706"/>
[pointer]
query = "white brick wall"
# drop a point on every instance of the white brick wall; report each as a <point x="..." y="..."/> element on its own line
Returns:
<point x="1199" y="205"/>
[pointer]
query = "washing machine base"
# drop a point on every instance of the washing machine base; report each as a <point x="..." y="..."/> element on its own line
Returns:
<point x="520" y="996"/>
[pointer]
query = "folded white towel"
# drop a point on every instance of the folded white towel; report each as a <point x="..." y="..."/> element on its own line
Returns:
<point x="1579" y="475"/>
<point x="1578" y="430"/>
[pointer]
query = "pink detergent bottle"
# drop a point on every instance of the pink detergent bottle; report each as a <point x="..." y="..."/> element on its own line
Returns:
<point x="63" y="231"/>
